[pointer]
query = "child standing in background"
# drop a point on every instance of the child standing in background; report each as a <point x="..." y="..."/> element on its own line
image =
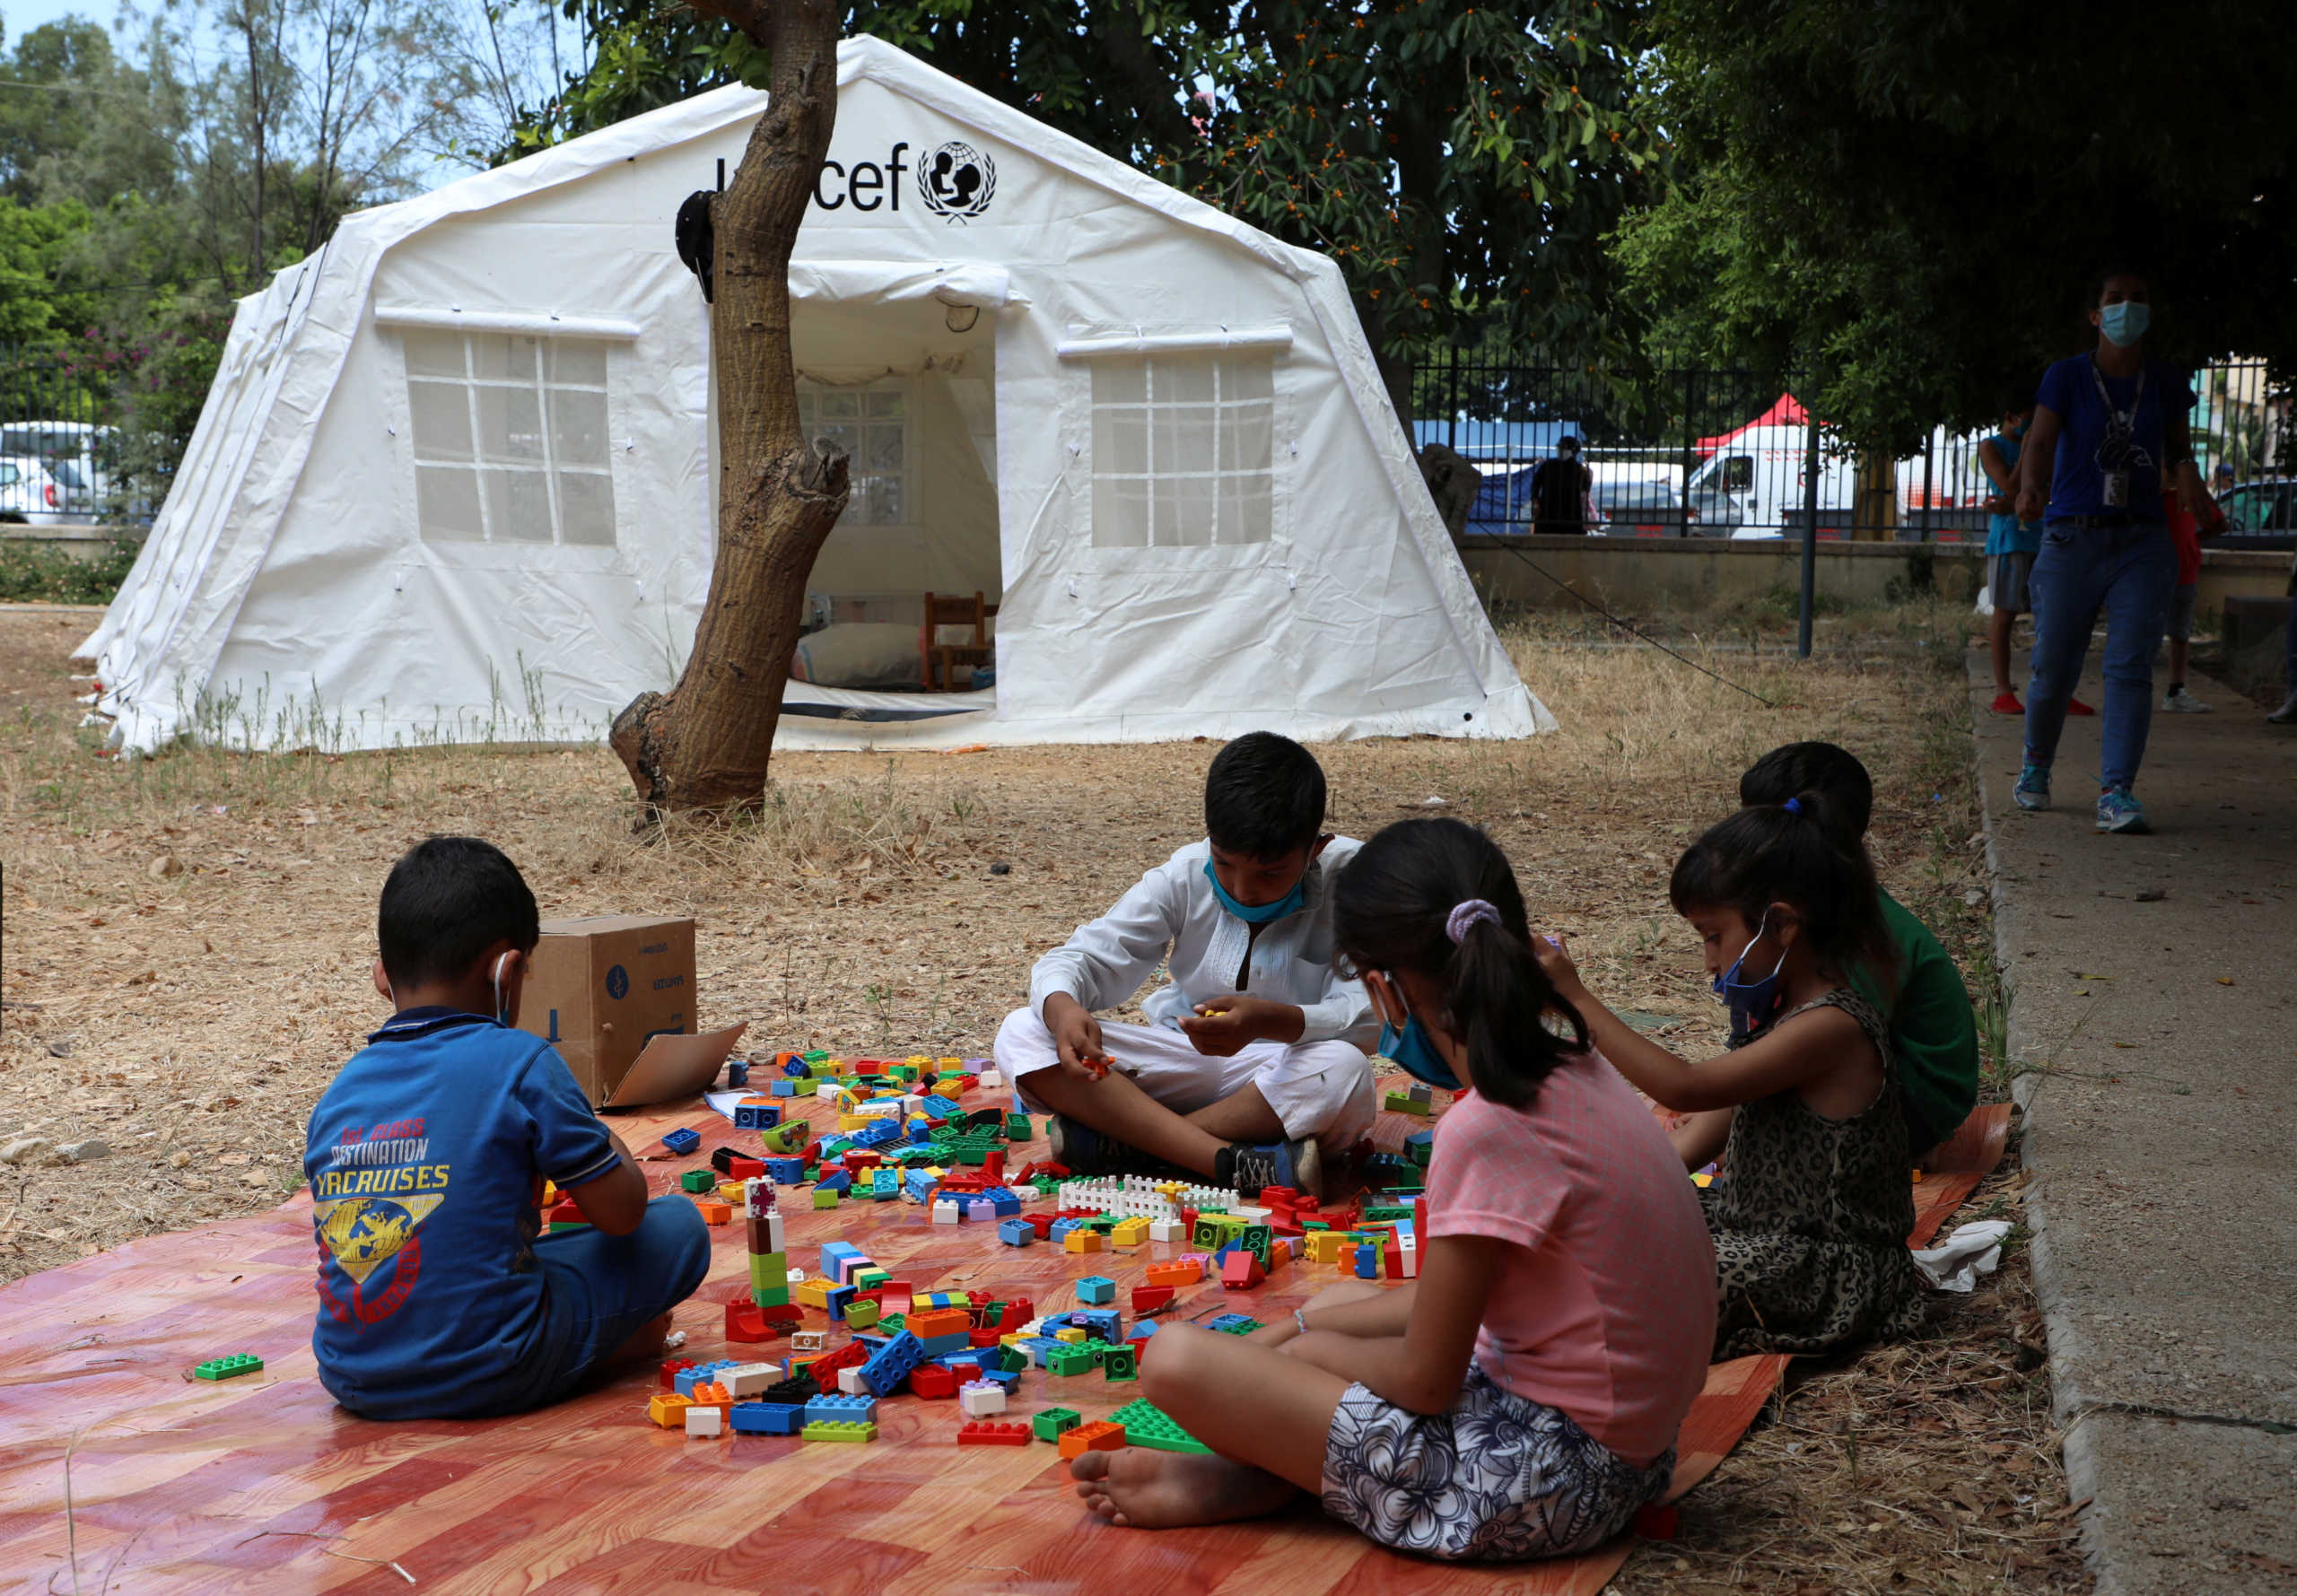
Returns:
<point x="1811" y="1212"/>
<point x="1521" y="1398"/>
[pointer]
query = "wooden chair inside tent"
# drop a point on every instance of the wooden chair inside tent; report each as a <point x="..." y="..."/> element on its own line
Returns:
<point x="941" y="659"/>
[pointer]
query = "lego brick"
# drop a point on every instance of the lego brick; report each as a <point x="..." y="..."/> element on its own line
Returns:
<point x="746" y="1380"/>
<point x="737" y="1072"/>
<point x="705" y="1421"/>
<point x="1017" y="1127"/>
<point x="1095" y="1288"/>
<point x="1178" y="1272"/>
<point x="757" y="1114"/>
<point x="671" y="1372"/>
<point x="982" y="1432"/>
<point x="1070" y="1360"/>
<point x="1148" y="1299"/>
<point x="1145" y="1424"/>
<point x="668" y="1409"/>
<point x="892" y="1363"/>
<point x="934" y="1381"/>
<point x="681" y="1141"/>
<point x="796" y="1391"/>
<point x="982" y="1397"/>
<point x="1082" y="1240"/>
<point x="715" y="1213"/>
<point x="697" y="1180"/>
<point x="861" y="1409"/>
<point x="229" y="1367"/>
<point x="825" y="1430"/>
<point x="1101" y="1436"/>
<point x="766" y="1419"/>
<point x="1121" y="1363"/>
<point x="1052" y="1423"/>
<point x="861" y="1314"/>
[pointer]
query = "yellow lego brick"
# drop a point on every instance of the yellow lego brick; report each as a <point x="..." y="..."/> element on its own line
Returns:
<point x="948" y="1089"/>
<point x="1083" y="1240"/>
<point x="1069" y="1332"/>
<point x="814" y="1292"/>
<point x="732" y="1191"/>
<point x="850" y="1123"/>
<point x="668" y="1409"/>
<point x="1326" y="1246"/>
<point x="1129" y="1233"/>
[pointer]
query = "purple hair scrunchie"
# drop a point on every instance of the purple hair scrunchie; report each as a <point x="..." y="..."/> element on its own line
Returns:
<point x="1472" y="912"/>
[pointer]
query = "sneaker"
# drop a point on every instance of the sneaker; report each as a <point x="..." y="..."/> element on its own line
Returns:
<point x="1082" y="1150"/>
<point x="2118" y="811"/>
<point x="2006" y="703"/>
<point x="2287" y="713"/>
<point x="2179" y="701"/>
<point x="1245" y="1168"/>
<point x="2074" y="706"/>
<point x="2033" y="792"/>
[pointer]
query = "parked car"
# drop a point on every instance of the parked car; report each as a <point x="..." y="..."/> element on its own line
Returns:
<point x="1638" y="507"/>
<point x="2259" y="515"/>
<point x="32" y="494"/>
<point x="71" y="451"/>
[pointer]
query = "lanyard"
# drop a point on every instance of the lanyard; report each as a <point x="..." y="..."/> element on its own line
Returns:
<point x="2120" y="440"/>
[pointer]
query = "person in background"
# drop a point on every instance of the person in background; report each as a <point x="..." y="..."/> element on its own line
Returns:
<point x="2221" y="481"/>
<point x="2109" y="437"/>
<point x="2011" y="545"/>
<point x="1559" y="489"/>
<point x="2184" y="531"/>
<point x="2286" y="715"/>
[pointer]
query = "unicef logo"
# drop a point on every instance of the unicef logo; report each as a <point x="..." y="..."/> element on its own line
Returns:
<point x="956" y="181"/>
<point x="617" y="983"/>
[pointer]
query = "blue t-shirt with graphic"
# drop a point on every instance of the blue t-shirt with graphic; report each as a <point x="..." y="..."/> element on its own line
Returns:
<point x="424" y="1158"/>
<point x="2005" y="534"/>
<point x="2077" y="482"/>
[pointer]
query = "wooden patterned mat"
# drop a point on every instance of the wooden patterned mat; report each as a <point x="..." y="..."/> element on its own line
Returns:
<point x="262" y="1484"/>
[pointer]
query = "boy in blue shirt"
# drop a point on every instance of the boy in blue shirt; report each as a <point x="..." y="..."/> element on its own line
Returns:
<point x="438" y="1297"/>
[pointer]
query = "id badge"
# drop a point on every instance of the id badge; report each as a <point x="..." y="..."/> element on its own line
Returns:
<point x="2117" y="490"/>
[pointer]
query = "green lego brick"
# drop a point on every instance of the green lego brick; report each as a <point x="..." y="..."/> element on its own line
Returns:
<point x="860" y="1316"/>
<point x="893" y="1324"/>
<point x="1245" y="1328"/>
<point x="1017" y="1127"/>
<point x="824" y="1199"/>
<point x="869" y="1280"/>
<point x="1121" y="1363"/>
<point x="770" y="1296"/>
<point x="1075" y="1359"/>
<point x="1255" y="1239"/>
<point x="1389" y="1211"/>
<point x="698" y="1180"/>
<point x="1147" y="1425"/>
<point x="838" y="1429"/>
<point x="1053" y="1422"/>
<point x="1315" y="1224"/>
<point x="1011" y="1360"/>
<point x="229" y="1367"/>
<point x="813" y="1055"/>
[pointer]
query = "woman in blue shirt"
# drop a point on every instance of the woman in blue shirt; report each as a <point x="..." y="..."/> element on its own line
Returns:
<point x="2108" y="431"/>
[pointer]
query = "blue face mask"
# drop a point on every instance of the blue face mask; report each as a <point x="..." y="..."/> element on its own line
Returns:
<point x="1410" y="1048"/>
<point x="2124" y="324"/>
<point x="1750" y="1002"/>
<point x="1261" y="914"/>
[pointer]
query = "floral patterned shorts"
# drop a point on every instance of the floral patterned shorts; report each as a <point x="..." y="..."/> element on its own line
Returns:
<point x="1496" y="1477"/>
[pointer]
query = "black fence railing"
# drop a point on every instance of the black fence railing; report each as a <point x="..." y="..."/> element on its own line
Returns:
<point x="1703" y="451"/>
<point x="56" y="461"/>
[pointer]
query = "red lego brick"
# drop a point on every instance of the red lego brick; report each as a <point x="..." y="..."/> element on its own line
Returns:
<point x="1040" y="1223"/>
<point x="981" y="1337"/>
<point x="671" y="1372"/>
<point x="1147" y="1299"/>
<point x="933" y="1380"/>
<point x="745" y="1169"/>
<point x="1018" y="1312"/>
<point x="852" y="1355"/>
<point x="746" y="1322"/>
<point x="1241" y="1272"/>
<point x="983" y="1432"/>
<point x="993" y="1169"/>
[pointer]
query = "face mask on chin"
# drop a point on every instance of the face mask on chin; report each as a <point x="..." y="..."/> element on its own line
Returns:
<point x="1750" y="1002"/>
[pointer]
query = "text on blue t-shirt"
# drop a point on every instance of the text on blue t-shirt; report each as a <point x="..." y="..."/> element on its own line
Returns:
<point x="424" y="1157"/>
<point x="2078" y="480"/>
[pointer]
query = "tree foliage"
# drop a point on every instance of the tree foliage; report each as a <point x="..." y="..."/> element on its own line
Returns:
<point x="1461" y="163"/>
<point x="1911" y="201"/>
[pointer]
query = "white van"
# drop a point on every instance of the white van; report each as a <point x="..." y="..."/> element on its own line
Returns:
<point x="1753" y="486"/>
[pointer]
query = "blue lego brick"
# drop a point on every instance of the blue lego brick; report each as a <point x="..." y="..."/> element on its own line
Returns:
<point x="890" y="1364"/>
<point x="1142" y="1329"/>
<point x="917" y="1186"/>
<point x="785" y="1087"/>
<point x="1368" y="1262"/>
<point x="1010" y="1379"/>
<point x="1096" y="1290"/>
<point x="877" y="1133"/>
<point x="836" y="1180"/>
<point x="835" y="1300"/>
<point x="756" y="1116"/>
<point x="1102" y="1324"/>
<point x="978" y="1357"/>
<point x="796" y="1070"/>
<point x="767" y="1418"/>
<point x="1017" y="1233"/>
<point x="1226" y="1322"/>
<point x="837" y="1409"/>
<point x="785" y="1171"/>
<point x="1060" y="1229"/>
<point x="1006" y="1204"/>
<point x="919" y="1132"/>
<point x="681" y="1141"/>
<point x="832" y="1252"/>
<point x="885" y="1184"/>
<point x="685" y="1380"/>
<point x="954" y="1341"/>
<point x="1040" y="1349"/>
<point x="738" y="1073"/>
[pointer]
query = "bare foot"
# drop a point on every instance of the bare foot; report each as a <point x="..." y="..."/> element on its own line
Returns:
<point x="1163" y="1490"/>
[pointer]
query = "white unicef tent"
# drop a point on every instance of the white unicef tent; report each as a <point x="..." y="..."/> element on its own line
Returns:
<point x="455" y="471"/>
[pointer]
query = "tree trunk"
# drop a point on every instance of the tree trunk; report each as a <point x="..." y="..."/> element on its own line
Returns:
<point x="706" y="744"/>
<point x="1877" y="493"/>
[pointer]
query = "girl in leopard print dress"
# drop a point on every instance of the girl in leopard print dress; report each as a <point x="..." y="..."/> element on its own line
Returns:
<point x="1810" y="1214"/>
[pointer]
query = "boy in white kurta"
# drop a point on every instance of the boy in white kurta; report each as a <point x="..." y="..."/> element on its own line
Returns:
<point x="1254" y="1064"/>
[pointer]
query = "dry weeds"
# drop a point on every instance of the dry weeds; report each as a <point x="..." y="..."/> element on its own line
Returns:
<point x="189" y="938"/>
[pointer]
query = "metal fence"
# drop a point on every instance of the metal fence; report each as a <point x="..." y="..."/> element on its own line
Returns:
<point x="1704" y="452"/>
<point x="56" y="453"/>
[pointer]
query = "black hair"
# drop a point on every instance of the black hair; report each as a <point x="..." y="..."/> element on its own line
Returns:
<point x="1392" y="911"/>
<point x="2109" y="271"/>
<point x="1264" y="797"/>
<point x="445" y="903"/>
<point x="1568" y="440"/>
<point x="1803" y="853"/>
<point x="1803" y="767"/>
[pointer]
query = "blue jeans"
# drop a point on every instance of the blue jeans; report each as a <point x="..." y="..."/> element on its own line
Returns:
<point x="2129" y="572"/>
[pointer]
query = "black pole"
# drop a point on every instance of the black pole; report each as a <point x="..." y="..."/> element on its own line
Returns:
<point x="1690" y="447"/>
<point x="1810" y="531"/>
<point x="1929" y="445"/>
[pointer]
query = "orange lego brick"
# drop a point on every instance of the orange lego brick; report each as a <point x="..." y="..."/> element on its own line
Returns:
<point x="1176" y="1274"/>
<point x="1103" y="1436"/>
<point x="939" y="1322"/>
<point x="716" y="1213"/>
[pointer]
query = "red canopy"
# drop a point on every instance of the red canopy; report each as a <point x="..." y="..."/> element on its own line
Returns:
<point x="1787" y="413"/>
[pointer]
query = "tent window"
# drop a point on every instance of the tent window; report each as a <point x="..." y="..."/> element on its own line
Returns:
<point x="1182" y="448"/>
<point x="509" y="437"/>
<point x="871" y="425"/>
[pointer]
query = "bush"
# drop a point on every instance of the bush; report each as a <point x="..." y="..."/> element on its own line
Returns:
<point x="40" y="573"/>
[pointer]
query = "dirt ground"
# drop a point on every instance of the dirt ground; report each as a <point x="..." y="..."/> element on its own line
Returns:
<point x="188" y="939"/>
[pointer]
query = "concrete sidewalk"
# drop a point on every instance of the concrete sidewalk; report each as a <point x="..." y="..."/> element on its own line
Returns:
<point x="2154" y="1003"/>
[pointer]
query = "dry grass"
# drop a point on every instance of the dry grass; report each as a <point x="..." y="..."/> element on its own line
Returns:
<point x="191" y="1019"/>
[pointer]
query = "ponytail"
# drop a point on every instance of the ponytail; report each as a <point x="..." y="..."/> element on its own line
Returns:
<point x="1438" y="898"/>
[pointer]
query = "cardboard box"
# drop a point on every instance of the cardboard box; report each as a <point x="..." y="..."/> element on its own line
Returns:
<point x="616" y="994"/>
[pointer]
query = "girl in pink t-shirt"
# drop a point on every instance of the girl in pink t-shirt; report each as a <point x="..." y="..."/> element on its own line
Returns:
<point x="1521" y="1398"/>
